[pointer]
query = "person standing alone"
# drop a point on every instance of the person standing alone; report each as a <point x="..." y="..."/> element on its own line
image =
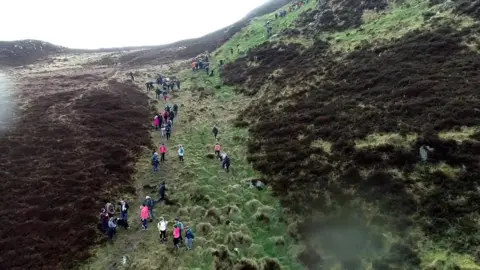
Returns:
<point x="215" y="131"/>
<point x="181" y="152"/>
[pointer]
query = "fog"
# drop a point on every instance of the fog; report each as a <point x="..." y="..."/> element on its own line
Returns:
<point x="91" y="24"/>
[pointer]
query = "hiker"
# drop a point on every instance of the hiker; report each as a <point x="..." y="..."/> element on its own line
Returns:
<point x="112" y="228"/>
<point x="180" y="226"/>
<point x="163" y="150"/>
<point x="155" y="162"/>
<point x="161" y="191"/>
<point x="162" y="130"/>
<point x="181" y="152"/>
<point x="162" y="228"/>
<point x="110" y="209"/>
<point x="165" y="95"/>
<point x="178" y="84"/>
<point x="168" y="131"/>
<point x="149" y="203"/>
<point x="207" y="68"/>
<point x="193" y="65"/>
<point x="175" y="109"/>
<point x="157" y="122"/>
<point x="104" y="220"/>
<point x="158" y="92"/>
<point x="231" y="50"/>
<point x="217" y="150"/>
<point x="172" y="116"/>
<point x="226" y="163"/>
<point x="211" y="73"/>
<point x="215" y="131"/>
<point x="222" y="155"/>
<point x="131" y="76"/>
<point x="190" y="236"/>
<point x="144" y="216"/>
<point x="124" y="210"/>
<point x="276" y="16"/>
<point x="176" y="236"/>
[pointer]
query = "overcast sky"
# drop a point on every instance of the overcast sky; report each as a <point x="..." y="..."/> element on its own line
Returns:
<point x="92" y="24"/>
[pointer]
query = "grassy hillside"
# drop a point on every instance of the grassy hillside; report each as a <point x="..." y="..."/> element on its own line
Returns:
<point x="331" y="112"/>
<point x="337" y="127"/>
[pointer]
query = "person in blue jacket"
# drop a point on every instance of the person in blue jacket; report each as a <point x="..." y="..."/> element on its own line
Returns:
<point x="190" y="236"/>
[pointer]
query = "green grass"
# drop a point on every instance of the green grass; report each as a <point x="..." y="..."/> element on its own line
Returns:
<point x="255" y="33"/>
<point x="393" y="23"/>
<point x="459" y="135"/>
<point x="374" y="140"/>
<point x="202" y="175"/>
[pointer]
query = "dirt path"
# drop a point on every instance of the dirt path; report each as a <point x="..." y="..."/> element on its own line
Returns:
<point x="127" y="244"/>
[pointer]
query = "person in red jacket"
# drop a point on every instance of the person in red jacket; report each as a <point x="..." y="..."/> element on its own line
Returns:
<point x="163" y="150"/>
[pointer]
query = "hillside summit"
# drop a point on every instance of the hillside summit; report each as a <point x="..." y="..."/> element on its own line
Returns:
<point x="360" y="119"/>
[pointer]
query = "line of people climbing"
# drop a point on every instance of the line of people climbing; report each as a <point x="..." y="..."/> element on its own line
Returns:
<point x="108" y="218"/>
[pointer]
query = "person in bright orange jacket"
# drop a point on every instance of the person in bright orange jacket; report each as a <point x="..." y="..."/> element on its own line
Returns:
<point x="163" y="150"/>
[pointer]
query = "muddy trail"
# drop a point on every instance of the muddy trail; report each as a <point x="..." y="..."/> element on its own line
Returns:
<point x="352" y="195"/>
<point x="70" y="153"/>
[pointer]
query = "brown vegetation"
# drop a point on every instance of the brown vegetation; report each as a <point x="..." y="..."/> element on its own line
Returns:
<point x="413" y="85"/>
<point x="70" y="153"/>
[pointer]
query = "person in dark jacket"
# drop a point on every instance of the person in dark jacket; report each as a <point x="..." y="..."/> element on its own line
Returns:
<point x="175" y="108"/>
<point x="215" y="131"/>
<point x="155" y="162"/>
<point x="172" y="116"/>
<point x="124" y="210"/>
<point x="149" y="203"/>
<point x="104" y="220"/>
<point x="161" y="191"/>
<point x="190" y="236"/>
<point x="226" y="163"/>
<point x="168" y="131"/>
<point x="158" y="92"/>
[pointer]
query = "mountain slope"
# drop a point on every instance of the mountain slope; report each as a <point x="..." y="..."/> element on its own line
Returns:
<point x="337" y="126"/>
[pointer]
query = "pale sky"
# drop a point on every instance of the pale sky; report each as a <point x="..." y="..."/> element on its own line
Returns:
<point x="91" y="24"/>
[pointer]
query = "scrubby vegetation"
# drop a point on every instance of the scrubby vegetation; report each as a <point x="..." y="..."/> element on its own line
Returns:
<point x="341" y="126"/>
<point x="330" y="111"/>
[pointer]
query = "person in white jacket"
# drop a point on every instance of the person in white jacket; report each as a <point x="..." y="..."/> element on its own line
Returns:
<point x="181" y="152"/>
<point x="162" y="228"/>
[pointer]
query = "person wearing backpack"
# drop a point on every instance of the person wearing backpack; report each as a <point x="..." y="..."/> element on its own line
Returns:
<point x="181" y="152"/>
<point x="168" y="131"/>
<point x="217" y="150"/>
<point x="190" y="236"/>
<point x="155" y="162"/>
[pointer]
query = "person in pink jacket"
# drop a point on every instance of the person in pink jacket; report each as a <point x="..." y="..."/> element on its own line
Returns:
<point x="176" y="236"/>
<point x="157" y="122"/>
<point x="144" y="215"/>
<point x="163" y="150"/>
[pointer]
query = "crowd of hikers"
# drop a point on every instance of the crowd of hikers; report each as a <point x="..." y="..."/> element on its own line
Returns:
<point x="163" y="123"/>
<point x="202" y="62"/>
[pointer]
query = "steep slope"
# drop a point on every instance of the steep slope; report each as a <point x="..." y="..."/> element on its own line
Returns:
<point x="337" y="126"/>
